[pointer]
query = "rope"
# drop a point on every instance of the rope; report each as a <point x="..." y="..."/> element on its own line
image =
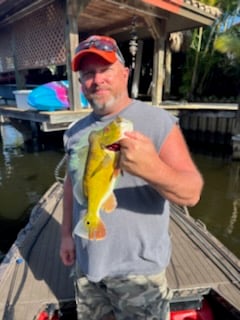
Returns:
<point x="58" y="168"/>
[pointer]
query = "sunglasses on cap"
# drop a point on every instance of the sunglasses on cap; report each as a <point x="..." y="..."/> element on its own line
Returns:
<point x="102" y="43"/>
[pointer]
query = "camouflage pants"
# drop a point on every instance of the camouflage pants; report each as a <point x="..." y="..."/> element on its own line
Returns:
<point x="128" y="298"/>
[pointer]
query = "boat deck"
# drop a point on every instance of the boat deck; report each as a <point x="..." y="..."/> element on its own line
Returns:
<point x="32" y="275"/>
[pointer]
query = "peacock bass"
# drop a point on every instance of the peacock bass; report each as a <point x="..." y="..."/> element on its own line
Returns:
<point x="100" y="174"/>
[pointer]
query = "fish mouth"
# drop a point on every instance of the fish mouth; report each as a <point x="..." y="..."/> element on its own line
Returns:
<point x="115" y="147"/>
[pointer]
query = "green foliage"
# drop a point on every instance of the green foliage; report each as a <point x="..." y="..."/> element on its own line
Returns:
<point x="212" y="3"/>
<point x="229" y="42"/>
<point x="214" y="53"/>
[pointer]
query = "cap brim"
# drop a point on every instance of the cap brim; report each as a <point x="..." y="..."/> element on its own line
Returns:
<point x="109" y="56"/>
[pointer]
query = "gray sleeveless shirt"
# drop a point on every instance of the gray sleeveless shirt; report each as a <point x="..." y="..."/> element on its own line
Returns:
<point x="137" y="240"/>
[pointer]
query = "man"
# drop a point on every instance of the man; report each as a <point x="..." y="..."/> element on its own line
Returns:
<point x="123" y="276"/>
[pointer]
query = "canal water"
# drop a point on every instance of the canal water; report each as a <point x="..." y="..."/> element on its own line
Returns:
<point x="27" y="172"/>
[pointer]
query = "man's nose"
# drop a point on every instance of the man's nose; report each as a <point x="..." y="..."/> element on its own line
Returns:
<point x="98" y="76"/>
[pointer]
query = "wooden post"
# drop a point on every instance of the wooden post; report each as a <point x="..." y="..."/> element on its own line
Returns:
<point x="168" y="67"/>
<point x="158" y="31"/>
<point x="158" y="71"/>
<point x="74" y="7"/>
<point x="19" y="75"/>
<point x="137" y="70"/>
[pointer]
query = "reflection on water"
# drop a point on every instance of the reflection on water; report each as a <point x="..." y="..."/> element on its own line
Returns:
<point x="219" y="207"/>
<point x="24" y="178"/>
<point x="234" y="216"/>
<point x="11" y="137"/>
<point x="234" y="193"/>
<point x="26" y="174"/>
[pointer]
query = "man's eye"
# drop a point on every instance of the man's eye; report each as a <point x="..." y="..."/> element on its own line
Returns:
<point x="88" y="74"/>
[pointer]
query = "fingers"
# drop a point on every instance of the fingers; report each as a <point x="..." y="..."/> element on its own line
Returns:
<point x="132" y="140"/>
<point x="137" y="153"/>
<point x="67" y="252"/>
<point x="68" y="258"/>
<point x="136" y="141"/>
<point x="134" y="135"/>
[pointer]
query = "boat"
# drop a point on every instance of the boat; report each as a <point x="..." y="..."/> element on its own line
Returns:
<point x="52" y="96"/>
<point x="203" y="274"/>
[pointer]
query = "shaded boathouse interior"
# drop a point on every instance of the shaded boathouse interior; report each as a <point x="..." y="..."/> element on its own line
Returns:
<point x="44" y="34"/>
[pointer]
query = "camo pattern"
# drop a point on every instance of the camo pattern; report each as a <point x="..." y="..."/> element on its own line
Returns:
<point x="129" y="298"/>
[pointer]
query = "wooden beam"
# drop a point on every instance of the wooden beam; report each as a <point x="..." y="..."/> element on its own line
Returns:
<point x="121" y="26"/>
<point x="172" y="6"/>
<point x="137" y="70"/>
<point x="19" y="75"/>
<point x="158" y="70"/>
<point x="140" y="8"/>
<point x="168" y="71"/>
<point x="52" y="117"/>
<point x="154" y="27"/>
<point x="26" y="10"/>
<point x="158" y="31"/>
<point x="74" y="8"/>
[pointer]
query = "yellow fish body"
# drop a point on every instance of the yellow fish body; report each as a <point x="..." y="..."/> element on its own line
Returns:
<point x="101" y="172"/>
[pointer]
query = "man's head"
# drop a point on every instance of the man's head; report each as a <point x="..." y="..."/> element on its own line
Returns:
<point x="103" y="75"/>
<point x="102" y="46"/>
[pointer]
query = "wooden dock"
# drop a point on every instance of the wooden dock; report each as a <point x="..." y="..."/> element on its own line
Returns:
<point x="60" y="119"/>
<point x="32" y="276"/>
<point x="50" y="121"/>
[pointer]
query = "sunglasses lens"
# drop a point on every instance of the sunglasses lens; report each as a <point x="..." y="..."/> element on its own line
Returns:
<point x="103" y="45"/>
<point x="100" y="43"/>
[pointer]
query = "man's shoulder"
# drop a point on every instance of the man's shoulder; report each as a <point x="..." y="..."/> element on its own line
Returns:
<point x="146" y="109"/>
<point x="79" y="124"/>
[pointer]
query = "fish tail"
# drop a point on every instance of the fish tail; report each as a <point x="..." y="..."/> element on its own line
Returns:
<point x="90" y="229"/>
<point x="97" y="232"/>
<point x="110" y="204"/>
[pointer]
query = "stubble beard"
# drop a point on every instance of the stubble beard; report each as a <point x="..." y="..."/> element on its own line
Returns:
<point x="103" y="107"/>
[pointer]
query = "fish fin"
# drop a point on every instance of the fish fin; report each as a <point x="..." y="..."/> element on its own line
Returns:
<point x="90" y="231"/>
<point x="117" y="172"/>
<point x="98" y="232"/>
<point x="79" y="194"/>
<point x="78" y="162"/>
<point x="104" y="163"/>
<point x="110" y="204"/>
<point x="80" y="230"/>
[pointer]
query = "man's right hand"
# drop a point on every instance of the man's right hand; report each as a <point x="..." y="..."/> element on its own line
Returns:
<point x="67" y="250"/>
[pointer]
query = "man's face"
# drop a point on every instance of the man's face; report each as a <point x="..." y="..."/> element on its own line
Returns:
<point x="104" y="84"/>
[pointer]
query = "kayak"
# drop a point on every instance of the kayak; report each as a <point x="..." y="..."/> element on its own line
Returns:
<point x="53" y="96"/>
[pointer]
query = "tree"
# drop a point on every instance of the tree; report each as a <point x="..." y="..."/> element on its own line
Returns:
<point x="204" y="56"/>
<point x="229" y="43"/>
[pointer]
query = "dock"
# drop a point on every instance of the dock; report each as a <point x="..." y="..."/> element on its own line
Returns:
<point x="212" y="126"/>
<point x="33" y="277"/>
<point x="49" y="121"/>
<point x="60" y="119"/>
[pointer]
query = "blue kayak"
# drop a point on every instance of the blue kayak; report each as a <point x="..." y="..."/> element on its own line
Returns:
<point x="53" y="96"/>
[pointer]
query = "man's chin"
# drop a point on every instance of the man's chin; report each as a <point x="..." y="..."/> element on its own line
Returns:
<point x="97" y="106"/>
<point x="102" y="107"/>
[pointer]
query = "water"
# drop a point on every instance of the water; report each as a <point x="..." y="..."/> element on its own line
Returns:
<point x="25" y="174"/>
<point x="219" y="207"/>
